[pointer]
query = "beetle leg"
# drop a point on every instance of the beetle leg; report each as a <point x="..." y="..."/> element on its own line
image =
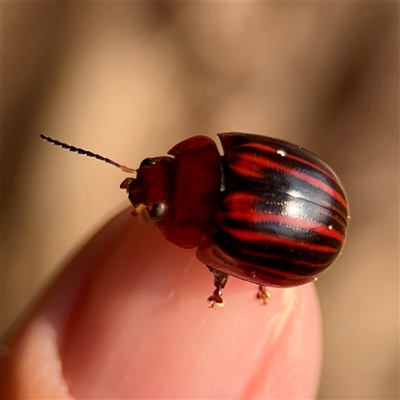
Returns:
<point x="220" y="280"/>
<point x="263" y="294"/>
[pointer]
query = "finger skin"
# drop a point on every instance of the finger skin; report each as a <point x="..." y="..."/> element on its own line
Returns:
<point x="128" y="318"/>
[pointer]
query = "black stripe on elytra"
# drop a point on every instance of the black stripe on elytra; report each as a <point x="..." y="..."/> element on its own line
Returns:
<point x="290" y="232"/>
<point x="296" y="165"/>
<point x="282" y="182"/>
<point x="271" y="203"/>
<point x="290" y="259"/>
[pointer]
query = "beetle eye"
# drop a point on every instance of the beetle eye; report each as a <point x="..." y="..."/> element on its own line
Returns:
<point x="157" y="211"/>
<point x="147" y="162"/>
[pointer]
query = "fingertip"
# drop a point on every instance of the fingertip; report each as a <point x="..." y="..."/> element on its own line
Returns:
<point x="132" y="320"/>
<point x="148" y="306"/>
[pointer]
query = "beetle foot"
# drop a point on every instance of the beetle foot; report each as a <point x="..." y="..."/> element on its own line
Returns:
<point x="263" y="294"/>
<point x="216" y="299"/>
<point x="220" y="280"/>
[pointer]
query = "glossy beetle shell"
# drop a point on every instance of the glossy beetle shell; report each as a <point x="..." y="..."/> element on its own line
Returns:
<point x="276" y="216"/>
<point x="282" y="216"/>
<point x="266" y="211"/>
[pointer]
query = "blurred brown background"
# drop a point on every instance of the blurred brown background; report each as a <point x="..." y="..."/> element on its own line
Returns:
<point x="130" y="80"/>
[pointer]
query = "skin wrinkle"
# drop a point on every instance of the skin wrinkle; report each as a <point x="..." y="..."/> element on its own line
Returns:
<point x="55" y="363"/>
<point x="274" y="327"/>
<point x="47" y="379"/>
<point x="292" y="304"/>
<point x="284" y="313"/>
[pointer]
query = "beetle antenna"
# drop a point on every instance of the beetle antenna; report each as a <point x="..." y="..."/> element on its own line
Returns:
<point x="86" y="153"/>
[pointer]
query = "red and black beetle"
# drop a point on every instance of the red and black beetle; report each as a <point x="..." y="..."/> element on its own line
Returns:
<point x="267" y="211"/>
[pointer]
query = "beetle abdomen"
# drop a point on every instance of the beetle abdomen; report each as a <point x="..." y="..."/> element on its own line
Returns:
<point x="282" y="217"/>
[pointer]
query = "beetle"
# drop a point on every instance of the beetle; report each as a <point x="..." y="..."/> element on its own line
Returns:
<point x="266" y="211"/>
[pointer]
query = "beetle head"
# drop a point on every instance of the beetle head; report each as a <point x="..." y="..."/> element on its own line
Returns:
<point x="150" y="191"/>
